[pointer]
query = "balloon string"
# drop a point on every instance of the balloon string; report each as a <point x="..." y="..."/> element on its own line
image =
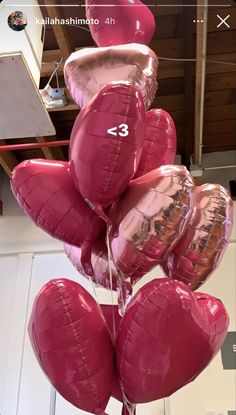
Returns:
<point x="128" y="406"/>
<point x="122" y="293"/>
<point x="100" y="212"/>
<point x="94" y="291"/>
<point x="111" y="285"/>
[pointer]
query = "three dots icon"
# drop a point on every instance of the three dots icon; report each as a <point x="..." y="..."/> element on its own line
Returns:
<point x="198" y="21"/>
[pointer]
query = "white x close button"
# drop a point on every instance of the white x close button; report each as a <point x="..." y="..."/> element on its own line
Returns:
<point x="223" y="21"/>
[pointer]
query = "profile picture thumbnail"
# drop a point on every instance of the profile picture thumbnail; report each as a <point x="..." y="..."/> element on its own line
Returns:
<point x="17" y="21"/>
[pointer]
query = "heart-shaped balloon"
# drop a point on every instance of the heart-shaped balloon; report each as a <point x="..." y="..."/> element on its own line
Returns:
<point x="45" y="191"/>
<point x="159" y="142"/>
<point x="72" y="343"/>
<point x="126" y="22"/>
<point x="88" y="70"/>
<point x="99" y="261"/>
<point x="167" y="337"/>
<point x="107" y="142"/>
<point x="149" y="219"/>
<point x="203" y="244"/>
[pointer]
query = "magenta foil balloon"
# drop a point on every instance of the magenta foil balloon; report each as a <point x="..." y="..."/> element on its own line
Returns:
<point x="159" y="143"/>
<point x="107" y="142"/>
<point x="166" y="339"/>
<point x="45" y="191"/>
<point x="127" y="22"/>
<point x="203" y="244"/>
<point x="149" y="218"/>
<point x="99" y="263"/>
<point x="88" y="70"/>
<point x="72" y="343"/>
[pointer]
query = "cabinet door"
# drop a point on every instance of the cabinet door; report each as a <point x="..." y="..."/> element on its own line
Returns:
<point x="14" y="288"/>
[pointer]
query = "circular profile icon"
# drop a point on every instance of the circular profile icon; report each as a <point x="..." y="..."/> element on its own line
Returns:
<point x="17" y="21"/>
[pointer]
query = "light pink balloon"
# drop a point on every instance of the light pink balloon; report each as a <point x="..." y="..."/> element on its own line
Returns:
<point x="103" y="162"/>
<point x="167" y="338"/>
<point x="88" y="70"/>
<point x="149" y="218"/>
<point x="126" y="22"/>
<point x="99" y="264"/>
<point x="45" y="191"/>
<point x="159" y="142"/>
<point x="203" y="244"/>
<point x="71" y="341"/>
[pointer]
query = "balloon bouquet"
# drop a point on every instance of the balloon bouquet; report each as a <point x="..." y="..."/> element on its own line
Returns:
<point x="121" y="207"/>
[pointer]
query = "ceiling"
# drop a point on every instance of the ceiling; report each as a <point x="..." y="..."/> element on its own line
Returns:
<point x="174" y="41"/>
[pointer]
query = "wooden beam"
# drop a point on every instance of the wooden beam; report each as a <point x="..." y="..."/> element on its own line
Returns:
<point x="188" y="85"/>
<point x="214" y="142"/>
<point x="164" y="10"/>
<point x="49" y="152"/>
<point x="60" y="31"/>
<point x="220" y="127"/>
<point x="202" y="16"/>
<point x="7" y="159"/>
<point x="50" y="57"/>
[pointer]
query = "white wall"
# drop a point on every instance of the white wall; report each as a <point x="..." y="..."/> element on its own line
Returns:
<point x="29" y="258"/>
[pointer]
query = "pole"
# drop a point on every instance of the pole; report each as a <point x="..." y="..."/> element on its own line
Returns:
<point x="11" y="147"/>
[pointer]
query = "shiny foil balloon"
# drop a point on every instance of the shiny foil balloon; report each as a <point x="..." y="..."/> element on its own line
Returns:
<point x="99" y="263"/>
<point x="166" y="339"/>
<point x="126" y="22"/>
<point x="107" y="142"/>
<point x="72" y="343"/>
<point x="45" y="191"/>
<point x="203" y="244"/>
<point x="86" y="71"/>
<point x="159" y="142"/>
<point x="149" y="218"/>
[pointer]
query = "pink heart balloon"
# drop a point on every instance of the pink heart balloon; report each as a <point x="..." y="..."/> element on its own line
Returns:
<point x="149" y="219"/>
<point x="200" y="250"/>
<point x="45" y="191"/>
<point x="106" y="143"/>
<point x="125" y="23"/>
<point x="159" y="142"/>
<point x="71" y="341"/>
<point x="88" y="70"/>
<point x="166" y="338"/>
<point x="99" y="263"/>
